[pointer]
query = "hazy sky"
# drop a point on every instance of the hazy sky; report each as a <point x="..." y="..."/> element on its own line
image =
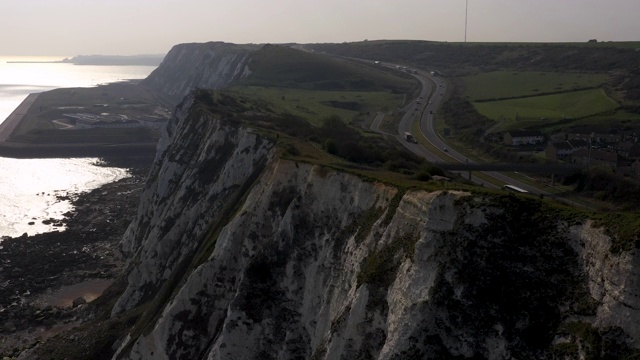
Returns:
<point x="126" y="27"/>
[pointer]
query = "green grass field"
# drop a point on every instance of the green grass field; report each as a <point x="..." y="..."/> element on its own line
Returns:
<point x="602" y="44"/>
<point x="620" y="119"/>
<point x="291" y="68"/>
<point x="316" y="105"/>
<point x="571" y="105"/>
<point x="509" y="84"/>
<point x="314" y="86"/>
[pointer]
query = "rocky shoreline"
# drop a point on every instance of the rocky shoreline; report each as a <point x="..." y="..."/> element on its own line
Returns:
<point x="33" y="268"/>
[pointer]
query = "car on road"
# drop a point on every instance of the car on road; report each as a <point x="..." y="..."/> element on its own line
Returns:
<point x="410" y="138"/>
<point x="445" y="150"/>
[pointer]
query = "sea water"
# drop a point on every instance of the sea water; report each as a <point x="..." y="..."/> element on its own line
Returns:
<point x="30" y="189"/>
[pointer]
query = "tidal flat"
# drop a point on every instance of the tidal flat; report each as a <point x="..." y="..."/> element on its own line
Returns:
<point x="33" y="269"/>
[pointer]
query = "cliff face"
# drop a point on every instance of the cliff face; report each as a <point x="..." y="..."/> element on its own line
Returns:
<point x="237" y="253"/>
<point x="613" y="281"/>
<point x="204" y="168"/>
<point x="210" y="65"/>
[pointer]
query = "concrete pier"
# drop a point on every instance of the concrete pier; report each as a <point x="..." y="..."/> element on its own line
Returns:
<point x="11" y="122"/>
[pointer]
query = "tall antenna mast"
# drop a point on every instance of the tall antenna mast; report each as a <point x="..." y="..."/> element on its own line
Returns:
<point x="466" y="11"/>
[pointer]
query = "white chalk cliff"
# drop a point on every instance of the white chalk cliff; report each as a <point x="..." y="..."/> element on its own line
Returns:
<point x="211" y="65"/>
<point x="239" y="253"/>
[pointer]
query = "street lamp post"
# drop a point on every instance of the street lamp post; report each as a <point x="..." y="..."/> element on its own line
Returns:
<point x="589" y="159"/>
<point x="466" y="12"/>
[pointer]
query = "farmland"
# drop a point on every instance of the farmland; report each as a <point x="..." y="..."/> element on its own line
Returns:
<point x="315" y="105"/>
<point x="519" y="99"/>
<point x="316" y="87"/>
<point x="509" y="84"/>
<point x="576" y="104"/>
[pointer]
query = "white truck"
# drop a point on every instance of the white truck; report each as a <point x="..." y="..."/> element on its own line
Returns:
<point x="409" y="138"/>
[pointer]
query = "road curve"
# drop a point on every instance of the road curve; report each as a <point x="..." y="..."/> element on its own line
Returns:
<point x="431" y="96"/>
<point x="423" y="107"/>
<point x="428" y="130"/>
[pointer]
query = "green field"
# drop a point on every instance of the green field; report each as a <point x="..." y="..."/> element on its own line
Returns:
<point x="620" y="119"/>
<point x="315" y="105"/>
<point x="280" y="66"/>
<point x="509" y="84"/>
<point x="315" y="87"/>
<point x="599" y="44"/>
<point x="575" y="104"/>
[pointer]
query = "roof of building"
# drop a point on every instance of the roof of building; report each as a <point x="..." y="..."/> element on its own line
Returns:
<point x="524" y="133"/>
<point x="597" y="155"/>
<point x="102" y="119"/>
<point x="150" y="118"/>
<point x="625" y="145"/>
<point x="578" y="143"/>
<point x="594" y="131"/>
<point x="562" y="145"/>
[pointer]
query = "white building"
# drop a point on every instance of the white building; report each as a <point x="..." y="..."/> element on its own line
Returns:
<point x="523" y="137"/>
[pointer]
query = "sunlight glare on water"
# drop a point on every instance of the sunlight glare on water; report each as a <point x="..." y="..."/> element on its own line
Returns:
<point x="29" y="188"/>
<point x="17" y="80"/>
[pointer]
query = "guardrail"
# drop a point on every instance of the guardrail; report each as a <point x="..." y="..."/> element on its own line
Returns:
<point x="526" y="168"/>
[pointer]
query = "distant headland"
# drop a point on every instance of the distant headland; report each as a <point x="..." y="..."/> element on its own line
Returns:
<point x="115" y="60"/>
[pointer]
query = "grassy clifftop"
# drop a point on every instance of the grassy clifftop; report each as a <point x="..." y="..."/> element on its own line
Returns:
<point x="287" y="67"/>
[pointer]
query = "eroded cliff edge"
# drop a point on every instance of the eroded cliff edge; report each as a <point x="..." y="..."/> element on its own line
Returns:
<point x="211" y="65"/>
<point x="239" y="253"/>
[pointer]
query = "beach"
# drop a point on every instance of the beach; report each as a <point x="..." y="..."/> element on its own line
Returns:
<point x="50" y="282"/>
<point x="42" y="277"/>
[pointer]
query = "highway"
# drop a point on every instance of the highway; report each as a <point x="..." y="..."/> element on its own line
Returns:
<point x="431" y="96"/>
<point x="422" y="109"/>
<point x="433" y="91"/>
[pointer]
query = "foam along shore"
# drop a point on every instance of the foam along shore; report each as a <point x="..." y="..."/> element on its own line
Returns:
<point x="43" y="274"/>
<point x="37" y="151"/>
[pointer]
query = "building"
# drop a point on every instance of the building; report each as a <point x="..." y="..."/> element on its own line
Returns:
<point x="595" y="137"/>
<point x="558" y="150"/>
<point x="89" y="121"/>
<point x="635" y="169"/>
<point x="562" y="149"/>
<point x="629" y="149"/>
<point x="596" y="157"/>
<point x="150" y="121"/>
<point x="523" y="137"/>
